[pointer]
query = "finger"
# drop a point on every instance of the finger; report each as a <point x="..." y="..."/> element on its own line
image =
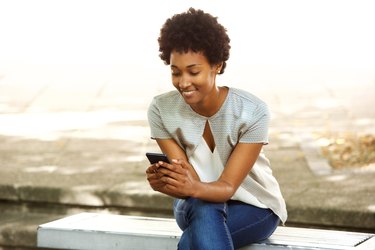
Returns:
<point x="156" y="184"/>
<point x="181" y="162"/>
<point x="166" y="165"/>
<point x="155" y="181"/>
<point x="171" y="174"/>
<point x="157" y="187"/>
<point x="164" y="171"/>
<point x="169" y="181"/>
<point x="151" y="176"/>
<point x="152" y="168"/>
<point x="171" y="168"/>
<point x="155" y="175"/>
<point x="151" y="171"/>
<point x="163" y="164"/>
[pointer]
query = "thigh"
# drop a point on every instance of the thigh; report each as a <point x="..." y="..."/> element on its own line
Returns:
<point x="248" y="224"/>
<point x="203" y="224"/>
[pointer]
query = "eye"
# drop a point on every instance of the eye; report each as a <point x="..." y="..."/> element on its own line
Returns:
<point x="175" y="73"/>
<point x="194" y="73"/>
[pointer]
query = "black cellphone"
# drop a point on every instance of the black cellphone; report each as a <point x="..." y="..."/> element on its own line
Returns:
<point x="156" y="157"/>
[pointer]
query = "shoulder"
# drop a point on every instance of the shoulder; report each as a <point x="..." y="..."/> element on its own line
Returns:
<point x="168" y="97"/>
<point x="169" y="106"/>
<point x="246" y="97"/>
<point x="244" y="101"/>
<point x="165" y="100"/>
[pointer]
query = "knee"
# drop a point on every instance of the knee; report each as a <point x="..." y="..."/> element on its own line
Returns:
<point x="206" y="210"/>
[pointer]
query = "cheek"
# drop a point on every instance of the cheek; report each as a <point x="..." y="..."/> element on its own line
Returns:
<point x="174" y="82"/>
<point x="208" y="80"/>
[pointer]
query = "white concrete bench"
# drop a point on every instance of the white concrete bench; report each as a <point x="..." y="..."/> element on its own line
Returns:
<point x="93" y="231"/>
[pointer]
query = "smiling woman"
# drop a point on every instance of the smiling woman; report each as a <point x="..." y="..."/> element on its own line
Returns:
<point x="226" y="195"/>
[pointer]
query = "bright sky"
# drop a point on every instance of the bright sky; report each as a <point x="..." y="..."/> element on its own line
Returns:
<point x="106" y="32"/>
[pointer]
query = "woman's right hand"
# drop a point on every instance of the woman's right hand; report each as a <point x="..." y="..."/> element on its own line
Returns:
<point x="154" y="177"/>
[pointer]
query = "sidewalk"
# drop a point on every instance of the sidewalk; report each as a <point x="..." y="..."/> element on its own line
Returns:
<point x="68" y="148"/>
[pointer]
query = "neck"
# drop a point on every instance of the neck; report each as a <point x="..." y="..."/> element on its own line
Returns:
<point x="211" y="104"/>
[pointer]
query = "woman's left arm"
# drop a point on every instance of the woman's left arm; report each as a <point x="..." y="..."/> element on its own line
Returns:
<point x="238" y="166"/>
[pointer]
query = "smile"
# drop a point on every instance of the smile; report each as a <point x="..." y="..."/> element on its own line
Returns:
<point x="188" y="93"/>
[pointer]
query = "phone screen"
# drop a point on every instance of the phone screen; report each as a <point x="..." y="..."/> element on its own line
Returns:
<point x="156" y="157"/>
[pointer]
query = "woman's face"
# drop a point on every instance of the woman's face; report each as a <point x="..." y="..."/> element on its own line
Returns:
<point x="193" y="77"/>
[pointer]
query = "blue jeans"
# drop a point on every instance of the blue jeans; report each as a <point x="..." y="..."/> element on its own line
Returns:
<point x="220" y="226"/>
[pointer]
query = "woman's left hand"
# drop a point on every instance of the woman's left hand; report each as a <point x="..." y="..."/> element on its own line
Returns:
<point x="178" y="177"/>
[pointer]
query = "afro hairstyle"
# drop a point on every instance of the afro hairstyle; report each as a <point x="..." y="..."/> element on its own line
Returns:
<point x="197" y="31"/>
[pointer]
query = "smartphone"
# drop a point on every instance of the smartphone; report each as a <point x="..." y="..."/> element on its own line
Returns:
<point x="156" y="157"/>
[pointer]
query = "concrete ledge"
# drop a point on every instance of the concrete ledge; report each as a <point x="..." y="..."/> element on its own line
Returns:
<point x="301" y="206"/>
<point x="139" y="195"/>
<point x="18" y="230"/>
<point x="354" y="220"/>
<point x="107" y="231"/>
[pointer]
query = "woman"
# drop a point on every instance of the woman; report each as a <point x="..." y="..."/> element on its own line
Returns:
<point x="226" y="196"/>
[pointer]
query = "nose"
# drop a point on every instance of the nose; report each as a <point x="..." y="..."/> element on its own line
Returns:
<point x="184" y="82"/>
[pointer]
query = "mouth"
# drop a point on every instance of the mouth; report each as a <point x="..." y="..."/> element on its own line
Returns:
<point x="187" y="93"/>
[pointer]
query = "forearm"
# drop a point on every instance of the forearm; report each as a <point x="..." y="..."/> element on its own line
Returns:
<point x="217" y="191"/>
<point x="237" y="168"/>
<point x="179" y="181"/>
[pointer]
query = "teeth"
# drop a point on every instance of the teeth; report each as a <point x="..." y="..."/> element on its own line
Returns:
<point x="188" y="93"/>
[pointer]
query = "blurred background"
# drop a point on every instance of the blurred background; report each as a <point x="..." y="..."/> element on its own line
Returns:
<point x="312" y="59"/>
<point x="298" y="42"/>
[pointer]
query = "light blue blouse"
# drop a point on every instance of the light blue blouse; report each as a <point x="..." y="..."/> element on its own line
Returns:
<point x="243" y="118"/>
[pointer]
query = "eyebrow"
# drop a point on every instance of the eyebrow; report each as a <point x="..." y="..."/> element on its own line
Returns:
<point x="189" y="66"/>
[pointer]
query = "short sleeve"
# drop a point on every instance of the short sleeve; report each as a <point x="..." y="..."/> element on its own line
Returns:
<point x="255" y="129"/>
<point x="155" y="121"/>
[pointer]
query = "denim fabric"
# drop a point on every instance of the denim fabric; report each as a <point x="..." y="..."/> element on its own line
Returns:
<point x="221" y="226"/>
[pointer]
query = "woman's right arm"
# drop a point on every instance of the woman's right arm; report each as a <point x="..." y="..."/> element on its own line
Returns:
<point x="173" y="151"/>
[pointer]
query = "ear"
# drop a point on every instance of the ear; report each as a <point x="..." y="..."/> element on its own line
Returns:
<point x="219" y="67"/>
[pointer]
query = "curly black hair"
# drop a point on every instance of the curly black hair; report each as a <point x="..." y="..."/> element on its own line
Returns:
<point x="197" y="31"/>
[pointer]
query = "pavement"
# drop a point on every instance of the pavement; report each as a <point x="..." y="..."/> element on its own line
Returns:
<point x="77" y="144"/>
